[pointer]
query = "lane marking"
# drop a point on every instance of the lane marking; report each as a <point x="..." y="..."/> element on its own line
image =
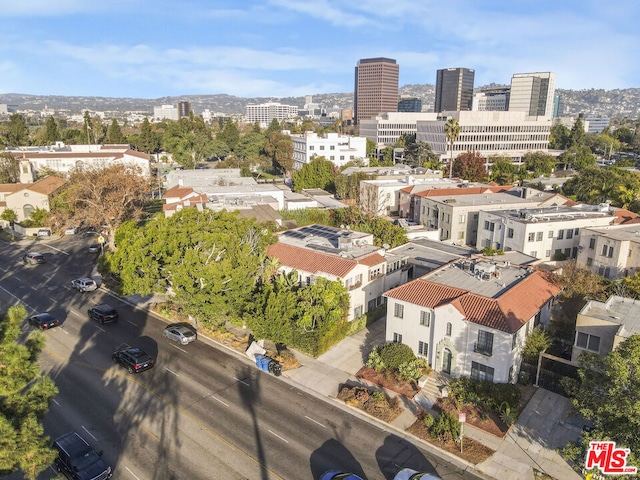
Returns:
<point x="171" y="371"/>
<point x="241" y="381"/>
<point x="55" y="401"/>
<point x="100" y="328"/>
<point x="181" y="349"/>
<point x="275" y="434"/>
<point x="132" y="323"/>
<point x="217" y="399"/>
<point x="88" y="432"/>
<point x="56" y="249"/>
<point x="134" y="475"/>
<point x="19" y="299"/>
<point x="315" y="421"/>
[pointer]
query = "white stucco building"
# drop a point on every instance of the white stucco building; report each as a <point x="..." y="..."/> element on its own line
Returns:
<point x="165" y="112"/>
<point x="338" y="149"/>
<point x="264" y="113"/>
<point x="386" y="128"/>
<point x="471" y="318"/>
<point x="612" y="251"/>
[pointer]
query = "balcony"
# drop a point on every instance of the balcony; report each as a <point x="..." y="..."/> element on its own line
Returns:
<point x="486" y="350"/>
<point x="353" y="286"/>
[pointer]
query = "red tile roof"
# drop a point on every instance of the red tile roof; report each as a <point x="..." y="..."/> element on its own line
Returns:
<point x="507" y="313"/>
<point x="178" y="191"/>
<point x="46" y="185"/>
<point x="310" y="260"/>
<point x="624" y="216"/>
<point x="371" y="260"/>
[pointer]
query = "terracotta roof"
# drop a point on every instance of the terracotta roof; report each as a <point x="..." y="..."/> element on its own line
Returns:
<point x="46" y="185"/>
<point x="135" y="153"/>
<point x="507" y="313"/>
<point x="446" y="192"/>
<point x="371" y="260"/>
<point x="11" y="187"/>
<point x="624" y="216"/>
<point x="310" y="260"/>
<point x="178" y="191"/>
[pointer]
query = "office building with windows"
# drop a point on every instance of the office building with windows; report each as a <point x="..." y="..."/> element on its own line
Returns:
<point x="454" y="89"/>
<point x="533" y="93"/>
<point x="386" y="129"/>
<point x="338" y="149"/>
<point x="184" y="109"/>
<point x="491" y="100"/>
<point x="264" y="113"/>
<point x="376" y="87"/>
<point x="409" y="104"/>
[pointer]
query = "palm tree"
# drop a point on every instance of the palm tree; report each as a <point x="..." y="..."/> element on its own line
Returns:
<point x="452" y="131"/>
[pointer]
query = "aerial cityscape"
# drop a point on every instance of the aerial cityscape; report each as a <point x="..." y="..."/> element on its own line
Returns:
<point x="327" y="241"/>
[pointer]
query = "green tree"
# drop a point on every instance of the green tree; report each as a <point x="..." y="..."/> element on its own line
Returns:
<point x="279" y="147"/>
<point x="560" y="137"/>
<point x="39" y="217"/>
<point x="189" y="141"/>
<point x="9" y="168"/>
<point x="250" y="146"/>
<point x="624" y="135"/>
<point x="371" y="150"/>
<point x="318" y="173"/>
<point x="230" y="134"/>
<point x="578" y="135"/>
<point x="25" y="394"/>
<point x="17" y="132"/>
<point x="452" y="132"/>
<point x="87" y="129"/>
<point x="148" y="141"/>
<point x="8" y="215"/>
<point x="51" y="132"/>
<point x="470" y="166"/>
<point x="607" y="394"/>
<point x="537" y="341"/>
<point x="539" y="163"/>
<point x="274" y="127"/>
<point x="114" y="133"/>
<point x="579" y="157"/>
<point x="504" y="171"/>
<point x="420" y="154"/>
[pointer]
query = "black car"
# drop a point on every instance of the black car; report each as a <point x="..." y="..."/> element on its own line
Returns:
<point x="44" y="321"/>
<point x="132" y="358"/>
<point x="103" y="313"/>
<point x="78" y="460"/>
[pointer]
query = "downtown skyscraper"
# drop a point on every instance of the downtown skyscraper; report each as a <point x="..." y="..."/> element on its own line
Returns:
<point x="376" y="87"/>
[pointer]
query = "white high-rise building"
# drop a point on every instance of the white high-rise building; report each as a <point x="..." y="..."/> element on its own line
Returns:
<point x="264" y="113"/>
<point x="533" y="93"/>
<point x="165" y="112"/>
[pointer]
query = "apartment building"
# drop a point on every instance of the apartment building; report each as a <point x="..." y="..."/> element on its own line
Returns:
<point x="387" y="128"/>
<point x="548" y="233"/>
<point x="376" y="87"/>
<point x="338" y="149"/>
<point x="612" y="251"/>
<point x="166" y="112"/>
<point x="491" y="100"/>
<point x="471" y="318"/>
<point x="264" y="113"/>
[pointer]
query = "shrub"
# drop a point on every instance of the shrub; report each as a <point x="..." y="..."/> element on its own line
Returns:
<point x="489" y="394"/>
<point x="446" y="427"/>
<point x="395" y="354"/>
<point x="374" y="361"/>
<point x="413" y="370"/>
<point x="428" y="420"/>
<point x="507" y="415"/>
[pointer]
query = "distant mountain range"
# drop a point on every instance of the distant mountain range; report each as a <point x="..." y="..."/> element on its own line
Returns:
<point x="618" y="103"/>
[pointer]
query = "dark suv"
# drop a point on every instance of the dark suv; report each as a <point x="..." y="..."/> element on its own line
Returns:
<point x="103" y="313"/>
<point x="78" y="460"/>
<point x="132" y="358"/>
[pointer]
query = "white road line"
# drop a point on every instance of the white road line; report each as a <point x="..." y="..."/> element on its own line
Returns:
<point x="132" y="323"/>
<point x="55" y="401"/>
<point x="218" y="400"/>
<point x="181" y="349"/>
<point x="18" y="299"/>
<point x="53" y="300"/>
<point x="92" y="436"/>
<point x="171" y="371"/>
<point x="101" y="329"/>
<point x="315" y="421"/>
<point x="135" y="476"/>
<point x="241" y="381"/>
<point x="276" y="435"/>
<point x="56" y="249"/>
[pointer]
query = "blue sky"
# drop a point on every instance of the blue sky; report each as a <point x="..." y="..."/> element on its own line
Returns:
<point x="280" y="48"/>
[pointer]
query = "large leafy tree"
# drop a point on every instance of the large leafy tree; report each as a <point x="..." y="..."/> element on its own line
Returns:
<point x="16" y="132"/>
<point x="607" y="393"/>
<point x="148" y="141"/>
<point x="539" y="163"/>
<point x="578" y="135"/>
<point x="230" y="134"/>
<point x="579" y="157"/>
<point x="597" y="185"/>
<point x="102" y="196"/>
<point x="250" y="146"/>
<point x="318" y="173"/>
<point x="9" y="168"/>
<point x="208" y="261"/>
<point x="279" y="147"/>
<point x="24" y="399"/>
<point x="505" y="172"/>
<point x="470" y="166"/>
<point x="560" y="137"/>
<point x="189" y="140"/>
<point x="420" y="154"/>
<point x="51" y="132"/>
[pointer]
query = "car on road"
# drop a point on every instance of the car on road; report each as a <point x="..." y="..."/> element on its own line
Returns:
<point x="77" y="460"/>
<point x="103" y="313"/>
<point x="134" y="359"/>
<point x="34" y="258"/>
<point x="71" y="231"/>
<point x="410" y="474"/>
<point x="84" y="284"/>
<point x="94" y="248"/>
<point x="44" y="321"/>
<point x="181" y="332"/>
<point x="339" y="475"/>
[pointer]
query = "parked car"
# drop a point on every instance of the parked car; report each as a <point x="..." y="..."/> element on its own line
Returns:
<point x="103" y="313"/>
<point x="181" y="332"/>
<point x="339" y="475"/>
<point x="71" y="231"/>
<point x="134" y="359"/>
<point x="44" y="232"/>
<point x="410" y="474"/>
<point x="44" y="321"/>
<point x="84" y="284"/>
<point x="77" y="460"/>
<point x="33" y="258"/>
<point x="94" y="248"/>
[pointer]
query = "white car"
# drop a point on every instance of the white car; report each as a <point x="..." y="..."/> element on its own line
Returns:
<point x="84" y="284"/>
<point x="182" y="332"/>
<point x="410" y="474"/>
<point x="71" y="231"/>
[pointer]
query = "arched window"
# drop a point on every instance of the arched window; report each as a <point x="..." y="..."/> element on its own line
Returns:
<point x="27" y="210"/>
<point x="448" y="329"/>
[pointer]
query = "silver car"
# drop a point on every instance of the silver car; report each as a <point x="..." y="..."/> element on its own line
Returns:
<point x="183" y="333"/>
<point x="410" y="474"/>
<point x="84" y="284"/>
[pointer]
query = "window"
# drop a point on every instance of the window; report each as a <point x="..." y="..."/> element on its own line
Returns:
<point x="588" y="342"/>
<point x="514" y="341"/>
<point x="375" y="273"/>
<point x="311" y="147"/>
<point x="510" y="233"/>
<point x="484" y="345"/>
<point x="489" y="226"/>
<point x="592" y="243"/>
<point x="333" y="157"/>
<point x="534" y="253"/>
<point x="560" y="234"/>
<point x="547" y="253"/>
<point x="569" y="234"/>
<point x="321" y="147"/>
<point x="539" y="237"/>
<point x="567" y="252"/>
<point x="398" y="310"/>
<point x="610" y="252"/>
<point x="460" y="235"/>
<point x="397" y="338"/>
<point x="341" y="157"/>
<point x="423" y="348"/>
<point x="332" y="147"/>
<point x="531" y="237"/>
<point x="357" y="312"/>
<point x="448" y="329"/>
<point x="462" y="218"/>
<point x="425" y="318"/>
<point x="589" y="262"/>
<point x="550" y="235"/>
<point x="481" y="372"/>
<point x="604" y="250"/>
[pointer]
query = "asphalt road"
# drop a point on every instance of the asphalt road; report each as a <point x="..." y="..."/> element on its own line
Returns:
<point x="201" y="412"/>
